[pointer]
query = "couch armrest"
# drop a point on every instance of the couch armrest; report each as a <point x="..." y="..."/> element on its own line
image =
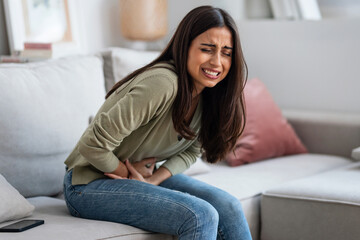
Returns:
<point x="356" y="154"/>
<point x="326" y="132"/>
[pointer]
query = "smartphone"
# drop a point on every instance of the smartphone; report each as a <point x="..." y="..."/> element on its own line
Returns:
<point x="22" y="225"/>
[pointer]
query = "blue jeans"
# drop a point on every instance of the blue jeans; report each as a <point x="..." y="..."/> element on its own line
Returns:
<point x="180" y="206"/>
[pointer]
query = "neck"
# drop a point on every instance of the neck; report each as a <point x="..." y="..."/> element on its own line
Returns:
<point x="195" y="94"/>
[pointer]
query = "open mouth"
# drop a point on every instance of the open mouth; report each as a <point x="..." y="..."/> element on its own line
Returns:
<point x="212" y="74"/>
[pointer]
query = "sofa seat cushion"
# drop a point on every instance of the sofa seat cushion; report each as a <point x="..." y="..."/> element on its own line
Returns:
<point x="60" y="225"/>
<point x="45" y="107"/>
<point x="247" y="182"/>
<point x="250" y="180"/>
<point x="324" y="206"/>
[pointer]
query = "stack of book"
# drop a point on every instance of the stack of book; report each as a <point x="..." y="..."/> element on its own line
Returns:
<point x="13" y="59"/>
<point x="32" y="52"/>
<point x="37" y="50"/>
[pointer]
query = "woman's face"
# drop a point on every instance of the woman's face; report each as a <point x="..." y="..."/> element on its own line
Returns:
<point x="209" y="57"/>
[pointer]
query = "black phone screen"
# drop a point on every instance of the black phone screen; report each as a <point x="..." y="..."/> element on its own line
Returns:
<point x="22" y="225"/>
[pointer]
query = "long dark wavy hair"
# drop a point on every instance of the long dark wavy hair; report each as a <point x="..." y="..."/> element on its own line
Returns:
<point x="223" y="113"/>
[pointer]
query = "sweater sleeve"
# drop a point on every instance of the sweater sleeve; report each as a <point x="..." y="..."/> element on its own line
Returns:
<point x="143" y="102"/>
<point x="179" y="163"/>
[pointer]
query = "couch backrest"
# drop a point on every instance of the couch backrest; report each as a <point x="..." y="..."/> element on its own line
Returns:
<point x="44" y="109"/>
<point x="335" y="133"/>
<point x="119" y="62"/>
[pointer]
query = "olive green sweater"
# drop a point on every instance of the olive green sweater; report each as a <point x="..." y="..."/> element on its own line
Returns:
<point x="134" y="123"/>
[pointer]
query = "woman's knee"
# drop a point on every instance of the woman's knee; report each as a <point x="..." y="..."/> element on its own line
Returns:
<point x="207" y="214"/>
<point x="226" y="204"/>
<point x="202" y="217"/>
<point x="233" y="204"/>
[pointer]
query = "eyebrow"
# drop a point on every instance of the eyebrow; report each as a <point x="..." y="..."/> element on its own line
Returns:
<point x="213" y="45"/>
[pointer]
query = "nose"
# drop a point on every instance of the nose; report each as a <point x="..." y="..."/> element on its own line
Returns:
<point x="216" y="59"/>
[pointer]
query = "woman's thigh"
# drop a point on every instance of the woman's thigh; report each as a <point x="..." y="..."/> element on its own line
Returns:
<point x="232" y="222"/>
<point x="139" y="204"/>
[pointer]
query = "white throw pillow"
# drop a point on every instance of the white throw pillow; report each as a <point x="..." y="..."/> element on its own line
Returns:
<point x="119" y="62"/>
<point x="12" y="204"/>
<point x="45" y="108"/>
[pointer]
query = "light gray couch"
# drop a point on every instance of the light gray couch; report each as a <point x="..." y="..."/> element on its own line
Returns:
<point x="46" y="106"/>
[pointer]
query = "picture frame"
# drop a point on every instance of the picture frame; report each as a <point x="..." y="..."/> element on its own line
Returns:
<point x="43" y="21"/>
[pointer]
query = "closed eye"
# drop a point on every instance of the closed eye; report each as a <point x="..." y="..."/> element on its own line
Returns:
<point x="205" y="50"/>
<point x="227" y="54"/>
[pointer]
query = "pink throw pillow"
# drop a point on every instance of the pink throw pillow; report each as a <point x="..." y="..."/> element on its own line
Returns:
<point x="267" y="133"/>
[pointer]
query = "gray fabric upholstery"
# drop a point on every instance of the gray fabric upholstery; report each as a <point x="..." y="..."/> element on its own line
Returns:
<point x="325" y="132"/>
<point x="251" y="207"/>
<point x="60" y="225"/>
<point x="324" y="206"/>
<point x="250" y="180"/>
<point x="45" y="107"/>
<point x="108" y="70"/>
<point x="356" y="154"/>
<point x="247" y="182"/>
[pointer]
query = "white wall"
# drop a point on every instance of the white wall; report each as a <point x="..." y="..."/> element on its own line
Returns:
<point x="306" y="65"/>
<point x="98" y="24"/>
<point x="311" y="65"/>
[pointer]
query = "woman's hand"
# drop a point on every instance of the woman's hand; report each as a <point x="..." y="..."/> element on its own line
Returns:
<point x="160" y="175"/>
<point x="145" y="167"/>
<point x="133" y="173"/>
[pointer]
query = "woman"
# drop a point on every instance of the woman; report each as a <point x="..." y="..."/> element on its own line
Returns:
<point x="189" y="98"/>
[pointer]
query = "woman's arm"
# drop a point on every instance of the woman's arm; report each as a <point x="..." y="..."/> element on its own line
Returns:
<point x="159" y="176"/>
<point x="149" y="96"/>
<point x="121" y="170"/>
<point x="176" y="164"/>
<point x="179" y="163"/>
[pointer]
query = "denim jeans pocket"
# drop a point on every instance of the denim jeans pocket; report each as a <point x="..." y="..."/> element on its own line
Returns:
<point x="70" y="192"/>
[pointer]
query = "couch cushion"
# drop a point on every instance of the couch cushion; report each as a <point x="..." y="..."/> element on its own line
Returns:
<point x="247" y="182"/>
<point x="60" y="225"/>
<point x="45" y="107"/>
<point x="252" y="179"/>
<point x="324" y="206"/>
